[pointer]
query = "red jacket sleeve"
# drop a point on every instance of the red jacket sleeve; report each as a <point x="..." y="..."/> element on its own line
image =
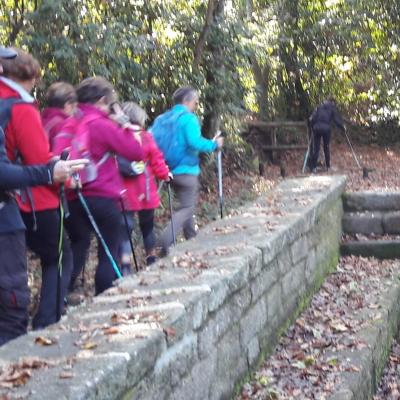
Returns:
<point x="156" y="159"/>
<point x="26" y="136"/>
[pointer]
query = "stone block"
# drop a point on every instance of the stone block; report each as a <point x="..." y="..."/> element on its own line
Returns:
<point x="391" y="223"/>
<point x="294" y="282"/>
<point x="218" y="295"/>
<point x="299" y="249"/>
<point x="214" y="328"/>
<point x="177" y="360"/>
<point x="253" y="322"/>
<point x="196" y="385"/>
<point x="311" y="267"/>
<point x="264" y="280"/>
<point x="274" y="302"/>
<point x="285" y="262"/>
<point x="231" y="365"/>
<point x="364" y="223"/>
<point x="255" y="263"/>
<point x="253" y="351"/>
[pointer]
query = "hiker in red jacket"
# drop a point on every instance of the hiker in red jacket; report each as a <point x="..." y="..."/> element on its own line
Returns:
<point x="61" y="102"/>
<point x="106" y="139"/>
<point x="14" y="290"/>
<point x="27" y="143"/>
<point x="141" y="190"/>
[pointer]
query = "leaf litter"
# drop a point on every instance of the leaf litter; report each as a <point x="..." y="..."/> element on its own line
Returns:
<point x="308" y="363"/>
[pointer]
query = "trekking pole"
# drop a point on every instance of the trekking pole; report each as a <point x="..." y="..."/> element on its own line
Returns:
<point x="310" y="141"/>
<point x="171" y="212"/>
<point x="64" y="212"/>
<point x="97" y="230"/>
<point x="220" y="188"/>
<point x="351" y="148"/>
<point x="129" y="234"/>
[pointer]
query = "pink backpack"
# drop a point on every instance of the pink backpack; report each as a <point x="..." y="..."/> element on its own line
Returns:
<point x="80" y="148"/>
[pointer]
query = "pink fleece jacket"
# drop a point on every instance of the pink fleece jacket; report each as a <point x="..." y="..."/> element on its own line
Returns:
<point x="105" y="136"/>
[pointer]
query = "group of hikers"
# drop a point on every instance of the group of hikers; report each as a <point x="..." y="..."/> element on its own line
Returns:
<point x="88" y="158"/>
<point x="87" y="163"/>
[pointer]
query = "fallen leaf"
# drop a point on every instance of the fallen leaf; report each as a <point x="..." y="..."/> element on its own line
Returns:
<point x="44" y="341"/>
<point x="66" y="375"/>
<point x="170" y="332"/>
<point x="111" y="331"/>
<point x="89" y="346"/>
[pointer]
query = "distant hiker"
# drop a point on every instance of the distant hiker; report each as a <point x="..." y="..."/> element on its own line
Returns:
<point x="104" y="139"/>
<point x="178" y="135"/>
<point x="141" y="189"/>
<point x="321" y="121"/>
<point x="27" y="143"/>
<point x="62" y="101"/>
<point x="14" y="291"/>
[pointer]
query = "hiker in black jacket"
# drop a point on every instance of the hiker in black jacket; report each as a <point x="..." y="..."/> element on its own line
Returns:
<point x="321" y="122"/>
<point x="14" y="292"/>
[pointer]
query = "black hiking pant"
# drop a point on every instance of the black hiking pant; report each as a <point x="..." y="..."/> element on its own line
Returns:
<point x="146" y="223"/>
<point x="324" y="134"/>
<point x="14" y="292"/>
<point x="44" y="242"/>
<point x="108" y="218"/>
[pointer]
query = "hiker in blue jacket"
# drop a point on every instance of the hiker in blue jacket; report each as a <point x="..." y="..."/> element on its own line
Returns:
<point x="186" y="170"/>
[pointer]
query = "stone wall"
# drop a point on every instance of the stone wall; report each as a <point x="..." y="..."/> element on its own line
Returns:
<point x="196" y="323"/>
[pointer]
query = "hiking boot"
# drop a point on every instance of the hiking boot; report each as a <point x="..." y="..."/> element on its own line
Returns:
<point x="75" y="298"/>
<point x="126" y="270"/>
<point x="151" y="260"/>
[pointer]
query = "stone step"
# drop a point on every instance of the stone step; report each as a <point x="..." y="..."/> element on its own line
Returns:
<point x="372" y="222"/>
<point x="382" y="249"/>
<point x="371" y="201"/>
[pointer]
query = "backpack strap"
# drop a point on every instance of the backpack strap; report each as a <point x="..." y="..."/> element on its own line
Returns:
<point x="6" y="107"/>
<point x="5" y="115"/>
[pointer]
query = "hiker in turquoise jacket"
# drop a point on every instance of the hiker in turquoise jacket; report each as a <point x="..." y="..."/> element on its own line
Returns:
<point x="185" y="183"/>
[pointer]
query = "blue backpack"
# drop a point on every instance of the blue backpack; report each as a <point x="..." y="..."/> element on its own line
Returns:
<point x="165" y="133"/>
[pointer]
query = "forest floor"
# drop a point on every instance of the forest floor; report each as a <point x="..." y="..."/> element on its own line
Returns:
<point x="242" y="186"/>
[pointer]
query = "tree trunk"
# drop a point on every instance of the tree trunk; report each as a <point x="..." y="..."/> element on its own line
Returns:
<point x="214" y="69"/>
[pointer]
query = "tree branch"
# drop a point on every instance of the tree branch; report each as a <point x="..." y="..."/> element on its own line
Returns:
<point x="201" y="42"/>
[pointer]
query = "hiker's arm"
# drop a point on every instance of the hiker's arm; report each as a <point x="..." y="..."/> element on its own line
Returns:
<point x="29" y="137"/>
<point x="338" y="120"/>
<point x="19" y="177"/>
<point x="157" y="162"/>
<point x="194" y="138"/>
<point x="123" y="143"/>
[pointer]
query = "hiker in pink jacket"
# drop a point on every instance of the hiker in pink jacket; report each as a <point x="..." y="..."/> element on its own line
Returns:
<point x="141" y="190"/>
<point x="61" y="102"/>
<point x="106" y="139"/>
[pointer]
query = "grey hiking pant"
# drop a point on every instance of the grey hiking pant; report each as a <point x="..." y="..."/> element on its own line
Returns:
<point x="186" y="192"/>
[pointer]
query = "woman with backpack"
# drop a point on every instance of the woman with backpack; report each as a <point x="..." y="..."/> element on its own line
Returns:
<point x="27" y="143"/>
<point x="184" y="160"/>
<point x="104" y="139"/>
<point x="61" y="103"/>
<point x="141" y="194"/>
